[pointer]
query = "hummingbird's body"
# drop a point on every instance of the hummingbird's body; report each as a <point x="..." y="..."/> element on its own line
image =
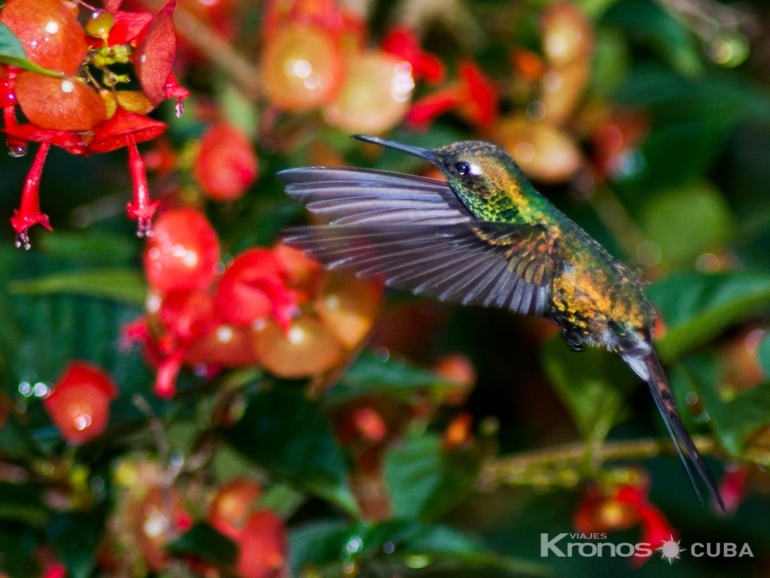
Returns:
<point x="485" y="236"/>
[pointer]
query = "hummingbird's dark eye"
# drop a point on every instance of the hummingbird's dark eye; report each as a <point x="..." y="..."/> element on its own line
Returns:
<point x="462" y="168"/>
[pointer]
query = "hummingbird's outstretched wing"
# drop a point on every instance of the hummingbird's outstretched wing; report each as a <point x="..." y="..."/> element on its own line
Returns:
<point x="414" y="234"/>
<point x="648" y="367"/>
<point x="346" y="196"/>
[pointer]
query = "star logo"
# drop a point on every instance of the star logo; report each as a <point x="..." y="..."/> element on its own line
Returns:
<point x="670" y="549"/>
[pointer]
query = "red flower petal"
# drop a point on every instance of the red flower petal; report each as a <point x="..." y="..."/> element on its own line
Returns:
<point x="129" y="27"/>
<point x="72" y="142"/>
<point x="402" y="42"/>
<point x="155" y="54"/>
<point x="481" y="106"/>
<point x="111" y="134"/>
<point x="426" y="109"/>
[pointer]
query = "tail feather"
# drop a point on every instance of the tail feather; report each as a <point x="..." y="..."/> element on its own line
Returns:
<point x="648" y="367"/>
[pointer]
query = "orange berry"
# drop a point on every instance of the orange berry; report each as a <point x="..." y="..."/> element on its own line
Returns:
<point x="302" y="68"/>
<point x="376" y="94"/>
<point x="307" y="348"/>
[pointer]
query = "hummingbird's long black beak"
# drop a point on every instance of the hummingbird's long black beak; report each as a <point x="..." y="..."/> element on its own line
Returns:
<point x="426" y="154"/>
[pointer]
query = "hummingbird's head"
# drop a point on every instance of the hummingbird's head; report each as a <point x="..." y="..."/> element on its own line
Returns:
<point x="479" y="172"/>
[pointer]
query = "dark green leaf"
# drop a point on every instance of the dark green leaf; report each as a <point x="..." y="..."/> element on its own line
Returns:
<point x="394" y="377"/>
<point x="649" y="23"/>
<point x="285" y="433"/>
<point x="204" y="542"/>
<point x="396" y="547"/>
<point x="120" y="285"/>
<point x="424" y="480"/>
<point x="734" y="420"/>
<point x="93" y="247"/>
<point x="764" y="354"/>
<point x="591" y="383"/>
<point x="18" y="549"/>
<point x="697" y="307"/>
<point x="22" y="503"/>
<point x="75" y="539"/>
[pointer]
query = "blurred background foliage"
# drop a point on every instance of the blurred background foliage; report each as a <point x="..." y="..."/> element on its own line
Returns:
<point x="458" y="435"/>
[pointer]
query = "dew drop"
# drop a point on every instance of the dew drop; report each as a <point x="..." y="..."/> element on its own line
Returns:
<point x="17" y="151"/>
<point x="22" y="240"/>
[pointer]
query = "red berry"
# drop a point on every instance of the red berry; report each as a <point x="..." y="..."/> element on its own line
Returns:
<point x="226" y="165"/>
<point x="49" y="32"/>
<point x="59" y="103"/>
<point x="183" y="252"/>
<point x="263" y="545"/>
<point x="302" y="68"/>
<point x="253" y="287"/>
<point x="79" y="403"/>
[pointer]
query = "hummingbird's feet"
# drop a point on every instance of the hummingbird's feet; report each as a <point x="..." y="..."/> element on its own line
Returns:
<point x="576" y="341"/>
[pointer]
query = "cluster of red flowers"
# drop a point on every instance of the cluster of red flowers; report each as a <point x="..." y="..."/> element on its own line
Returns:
<point x="66" y="106"/>
<point x="315" y="57"/>
<point x="273" y="307"/>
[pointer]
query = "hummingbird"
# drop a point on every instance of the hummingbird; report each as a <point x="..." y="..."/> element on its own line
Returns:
<point x="486" y="236"/>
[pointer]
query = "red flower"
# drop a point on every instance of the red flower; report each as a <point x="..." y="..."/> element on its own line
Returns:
<point x="732" y="487"/>
<point x="29" y="214"/>
<point x="403" y="42"/>
<point x="621" y="507"/>
<point x="254" y="287"/>
<point x="126" y="129"/>
<point x="474" y="98"/>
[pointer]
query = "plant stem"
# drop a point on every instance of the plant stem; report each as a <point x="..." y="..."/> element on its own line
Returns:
<point x="562" y="465"/>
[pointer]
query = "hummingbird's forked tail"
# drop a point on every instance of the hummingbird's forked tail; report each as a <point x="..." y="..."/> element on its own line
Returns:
<point x="648" y="367"/>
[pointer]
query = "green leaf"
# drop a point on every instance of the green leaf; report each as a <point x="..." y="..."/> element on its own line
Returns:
<point x="19" y="550"/>
<point x="23" y="503"/>
<point x="93" y="247"/>
<point x="204" y="542"/>
<point x="12" y="52"/>
<point x="288" y="435"/>
<point x="394" y="377"/>
<point x="648" y="23"/>
<point x="763" y="353"/>
<point x="687" y="220"/>
<point x="697" y="307"/>
<point x="120" y="285"/>
<point x="734" y="420"/>
<point x="395" y="547"/>
<point x="424" y="480"/>
<point x="75" y="539"/>
<point x="591" y="383"/>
